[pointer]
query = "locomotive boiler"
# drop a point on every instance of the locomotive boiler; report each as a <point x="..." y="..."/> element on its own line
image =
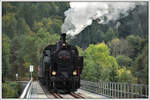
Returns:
<point x="60" y="67"/>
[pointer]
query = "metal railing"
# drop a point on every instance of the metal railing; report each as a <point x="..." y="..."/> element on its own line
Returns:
<point x="27" y="90"/>
<point x="116" y="89"/>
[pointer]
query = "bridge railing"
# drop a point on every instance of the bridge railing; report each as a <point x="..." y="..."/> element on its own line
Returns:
<point x="27" y="90"/>
<point x="116" y="89"/>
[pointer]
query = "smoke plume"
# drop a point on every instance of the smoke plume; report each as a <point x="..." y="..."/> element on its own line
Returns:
<point x="81" y="14"/>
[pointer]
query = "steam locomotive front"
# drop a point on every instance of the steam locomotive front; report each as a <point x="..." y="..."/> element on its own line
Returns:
<point x="65" y="69"/>
<point x="64" y="64"/>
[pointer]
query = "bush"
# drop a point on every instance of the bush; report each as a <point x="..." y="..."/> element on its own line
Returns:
<point x="10" y="90"/>
<point x="125" y="75"/>
<point x="123" y="60"/>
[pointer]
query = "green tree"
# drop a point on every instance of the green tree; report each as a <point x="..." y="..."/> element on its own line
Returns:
<point x="99" y="65"/>
<point x="43" y="39"/>
<point x="114" y="46"/>
<point x="15" y="59"/>
<point x="125" y="75"/>
<point x="123" y="60"/>
<point x="120" y="47"/>
<point x="5" y="56"/>
<point x="90" y="35"/>
<point x="135" y="42"/>
<point x="9" y="24"/>
<point x="136" y="23"/>
<point x="110" y="34"/>
<point x="140" y="66"/>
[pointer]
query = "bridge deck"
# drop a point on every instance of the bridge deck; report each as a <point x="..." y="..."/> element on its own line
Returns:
<point x="38" y="93"/>
<point x="90" y="95"/>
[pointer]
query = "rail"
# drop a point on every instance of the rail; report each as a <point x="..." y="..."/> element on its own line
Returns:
<point x="116" y="89"/>
<point x="27" y="90"/>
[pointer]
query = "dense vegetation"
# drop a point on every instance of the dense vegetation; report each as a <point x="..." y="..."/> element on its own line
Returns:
<point x="111" y="52"/>
<point x="10" y="90"/>
<point x="27" y="28"/>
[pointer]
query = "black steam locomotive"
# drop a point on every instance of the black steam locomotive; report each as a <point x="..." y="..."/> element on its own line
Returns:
<point x="60" y="67"/>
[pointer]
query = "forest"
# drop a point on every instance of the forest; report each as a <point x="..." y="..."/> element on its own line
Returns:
<point x="116" y="53"/>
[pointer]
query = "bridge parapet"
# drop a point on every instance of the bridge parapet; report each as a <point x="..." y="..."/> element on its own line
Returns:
<point x="116" y="89"/>
<point x="27" y="91"/>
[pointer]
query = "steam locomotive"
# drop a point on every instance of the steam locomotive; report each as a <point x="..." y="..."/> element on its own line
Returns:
<point x="60" y="67"/>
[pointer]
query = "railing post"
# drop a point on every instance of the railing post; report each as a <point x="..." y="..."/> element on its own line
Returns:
<point x="109" y="84"/>
<point x="132" y="91"/>
<point x="128" y="95"/>
<point x="128" y="90"/>
<point x="107" y="89"/>
<point x="100" y="87"/>
<point x="112" y="89"/>
<point x="104" y="88"/>
<point x="136" y="90"/>
<point x="141" y="92"/>
<point x="118" y="90"/>
<point x="124" y="90"/>
<point x="146" y="91"/>
<point x="121" y="89"/>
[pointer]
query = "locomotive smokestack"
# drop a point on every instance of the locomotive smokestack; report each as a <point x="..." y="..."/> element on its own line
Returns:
<point x="63" y="37"/>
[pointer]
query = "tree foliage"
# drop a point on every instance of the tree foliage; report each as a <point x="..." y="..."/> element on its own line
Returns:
<point x="5" y="57"/>
<point x="123" y="60"/>
<point x="27" y="29"/>
<point x="99" y="64"/>
<point x="125" y="75"/>
<point x="10" y="90"/>
<point x="140" y="66"/>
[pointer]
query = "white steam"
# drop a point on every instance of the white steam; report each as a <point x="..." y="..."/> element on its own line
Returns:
<point x="81" y="14"/>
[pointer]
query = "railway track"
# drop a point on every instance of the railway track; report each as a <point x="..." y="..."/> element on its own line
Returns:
<point x="51" y="94"/>
<point x="76" y="95"/>
<point x="56" y="95"/>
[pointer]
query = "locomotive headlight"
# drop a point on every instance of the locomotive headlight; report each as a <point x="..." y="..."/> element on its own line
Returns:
<point x="63" y="44"/>
<point x="75" y="73"/>
<point x="53" y="73"/>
